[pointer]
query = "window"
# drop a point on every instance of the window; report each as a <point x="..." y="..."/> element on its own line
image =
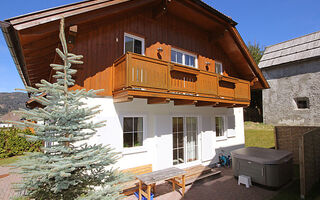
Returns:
<point x="183" y="58"/>
<point x="185" y="139"/>
<point x="133" y="44"/>
<point x="302" y="102"/>
<point x="132" y="131"/>
<point x="220" y="132"/>
<point x="219" y="68"/>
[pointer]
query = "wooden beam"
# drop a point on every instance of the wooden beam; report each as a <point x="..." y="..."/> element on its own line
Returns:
<point x="161" y="9"/>
<point x="226" y="105"/>
<point x="206" y="103"/>
<point x="181" y="102"/>
<point x="123" y="99"/>
<point x="157" y="100"/>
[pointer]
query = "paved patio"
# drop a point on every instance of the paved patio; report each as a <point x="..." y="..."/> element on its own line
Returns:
<point x="223" y="187"/>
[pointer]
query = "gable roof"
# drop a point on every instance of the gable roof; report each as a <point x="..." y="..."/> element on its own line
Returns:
<point x="43" y="24"/>
<point x="301" y="48"/>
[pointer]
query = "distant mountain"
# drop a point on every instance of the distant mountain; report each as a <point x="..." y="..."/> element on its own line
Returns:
<point x="12" y="101"/>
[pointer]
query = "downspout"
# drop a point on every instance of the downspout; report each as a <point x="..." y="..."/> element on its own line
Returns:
<point x="13" y="42"/>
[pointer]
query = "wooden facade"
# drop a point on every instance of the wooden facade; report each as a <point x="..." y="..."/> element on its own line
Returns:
<point x="98" y="35"/>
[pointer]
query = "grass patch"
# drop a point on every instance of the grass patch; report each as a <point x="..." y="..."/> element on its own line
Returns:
<point x="259" y="135"/>
<point x="8" y="161"/>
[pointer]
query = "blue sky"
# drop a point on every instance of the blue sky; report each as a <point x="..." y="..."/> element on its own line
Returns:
<point x="267" y="22"/>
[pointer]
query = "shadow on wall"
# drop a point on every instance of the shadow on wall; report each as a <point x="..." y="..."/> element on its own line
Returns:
<point x="224" y="151"/>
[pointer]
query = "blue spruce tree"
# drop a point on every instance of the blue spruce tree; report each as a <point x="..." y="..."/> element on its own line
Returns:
<point x="67" y="167"/>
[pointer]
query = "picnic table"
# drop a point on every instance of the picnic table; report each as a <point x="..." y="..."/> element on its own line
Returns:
<point x="175" y="175"/>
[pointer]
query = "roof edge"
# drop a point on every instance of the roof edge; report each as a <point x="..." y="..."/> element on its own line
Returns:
<point x="254" y="67"/>
<point x="11" y="40"/>
<point x="215" y="11"/>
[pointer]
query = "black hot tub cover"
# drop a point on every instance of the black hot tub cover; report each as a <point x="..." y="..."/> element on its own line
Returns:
<point x="262" y="155"/>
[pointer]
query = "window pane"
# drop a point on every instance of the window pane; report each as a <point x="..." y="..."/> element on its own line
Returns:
<point x="192" y="61"/>
<point x="173" y="56"/>
<point x="127" y="140"/>
<point x="218" y="68"/>
<point x="180" y="140"/>
<point x="128" y="44"/>
<point x="181" y="155"/>
<point x="187" y="59"/>
<point x="127" y="124"/>
<point x="180" y="124"/>
<point x="138" y="124"/>
<point x="175" y="139"/>
<point x="137" y="46"/>
<point x="175" y="157"/>
<point x="138" y="139"/>
<point x="179" y="57"/>
<point x="175" y="124"/>
<point x="219" y="126"/>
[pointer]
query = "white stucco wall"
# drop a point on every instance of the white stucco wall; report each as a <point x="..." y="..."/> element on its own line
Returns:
<point x="157" y="144"/>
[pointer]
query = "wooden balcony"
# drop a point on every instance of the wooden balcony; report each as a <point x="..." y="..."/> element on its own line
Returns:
<point x="137" y="76"/>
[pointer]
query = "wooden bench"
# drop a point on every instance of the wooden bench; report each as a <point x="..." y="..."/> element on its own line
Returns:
<point x="133" y="186"/>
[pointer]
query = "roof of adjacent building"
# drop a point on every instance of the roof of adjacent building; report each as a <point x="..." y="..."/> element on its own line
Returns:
<point x="301" y="48"/>
<point x="11" y="116"/>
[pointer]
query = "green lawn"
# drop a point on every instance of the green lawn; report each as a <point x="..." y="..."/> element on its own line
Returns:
<point x="258" y="135"/>
<point x="8" y="161"/>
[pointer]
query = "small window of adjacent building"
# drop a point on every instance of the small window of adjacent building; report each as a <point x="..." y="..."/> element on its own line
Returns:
<point x="183" y="58"/>
<point x="133" y="44"/>
<point x="132" y="131"/>
<point x="302" y="102"/>
<point x="220" y="132"/>
<point x="219" y="68"/>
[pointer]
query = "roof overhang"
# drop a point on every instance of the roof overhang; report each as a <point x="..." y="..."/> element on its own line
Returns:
<point x="28" y="27"/>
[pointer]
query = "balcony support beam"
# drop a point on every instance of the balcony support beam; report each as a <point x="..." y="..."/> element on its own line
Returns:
<point x="181" y="102"/>
<point x="123" y="99"/>
<point x="158" y="100"/>
<point x="223" y="105"/>
<point x="206" y="103"/>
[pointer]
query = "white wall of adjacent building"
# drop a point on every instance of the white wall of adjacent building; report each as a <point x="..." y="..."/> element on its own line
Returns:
<point x="157" y="146"/>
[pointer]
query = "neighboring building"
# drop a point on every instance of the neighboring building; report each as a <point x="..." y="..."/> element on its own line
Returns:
<point x="292" y="69"/>
<point x="176" y="100"/>
<point x="11" y="116"/>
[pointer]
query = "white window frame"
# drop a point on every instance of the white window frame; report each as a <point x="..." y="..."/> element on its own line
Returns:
<point x="184" y="116"/>
<point x="136" y="38"/>
<point x="183" y="57"/>
<point x="225" y="128"/>
<point x="221" y="67"/>
<point x="137" y="149"/>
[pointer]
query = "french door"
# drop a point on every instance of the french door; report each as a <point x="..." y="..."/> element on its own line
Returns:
<point x="185" y="139"/>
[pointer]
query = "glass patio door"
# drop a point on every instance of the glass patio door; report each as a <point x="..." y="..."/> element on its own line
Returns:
<point x="185" y="139"/>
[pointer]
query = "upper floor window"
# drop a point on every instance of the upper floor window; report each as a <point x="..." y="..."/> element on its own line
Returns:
<point x="133" y="44"/>
<point x="219" y="68"/>
<point x="132" y="131"/>
<point x="302" y="102"/>
<point x="183" y="58"/>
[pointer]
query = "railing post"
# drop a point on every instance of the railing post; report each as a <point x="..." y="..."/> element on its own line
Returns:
<point x="169" y="76"/>
<point x="128" y="63"/>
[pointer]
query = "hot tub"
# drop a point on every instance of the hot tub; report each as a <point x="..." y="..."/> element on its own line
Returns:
<point x="269" y="167"/>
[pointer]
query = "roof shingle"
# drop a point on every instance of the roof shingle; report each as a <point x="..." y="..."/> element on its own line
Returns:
<point x="301" y="48"/>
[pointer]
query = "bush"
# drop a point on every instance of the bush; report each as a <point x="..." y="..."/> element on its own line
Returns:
<point x="12" y="142"/>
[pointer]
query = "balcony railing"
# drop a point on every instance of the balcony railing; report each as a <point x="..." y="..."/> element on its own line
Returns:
<point x="171" y="80"/>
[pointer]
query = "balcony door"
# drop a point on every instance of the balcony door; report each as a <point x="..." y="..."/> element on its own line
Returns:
<point x="185" y="139"/>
